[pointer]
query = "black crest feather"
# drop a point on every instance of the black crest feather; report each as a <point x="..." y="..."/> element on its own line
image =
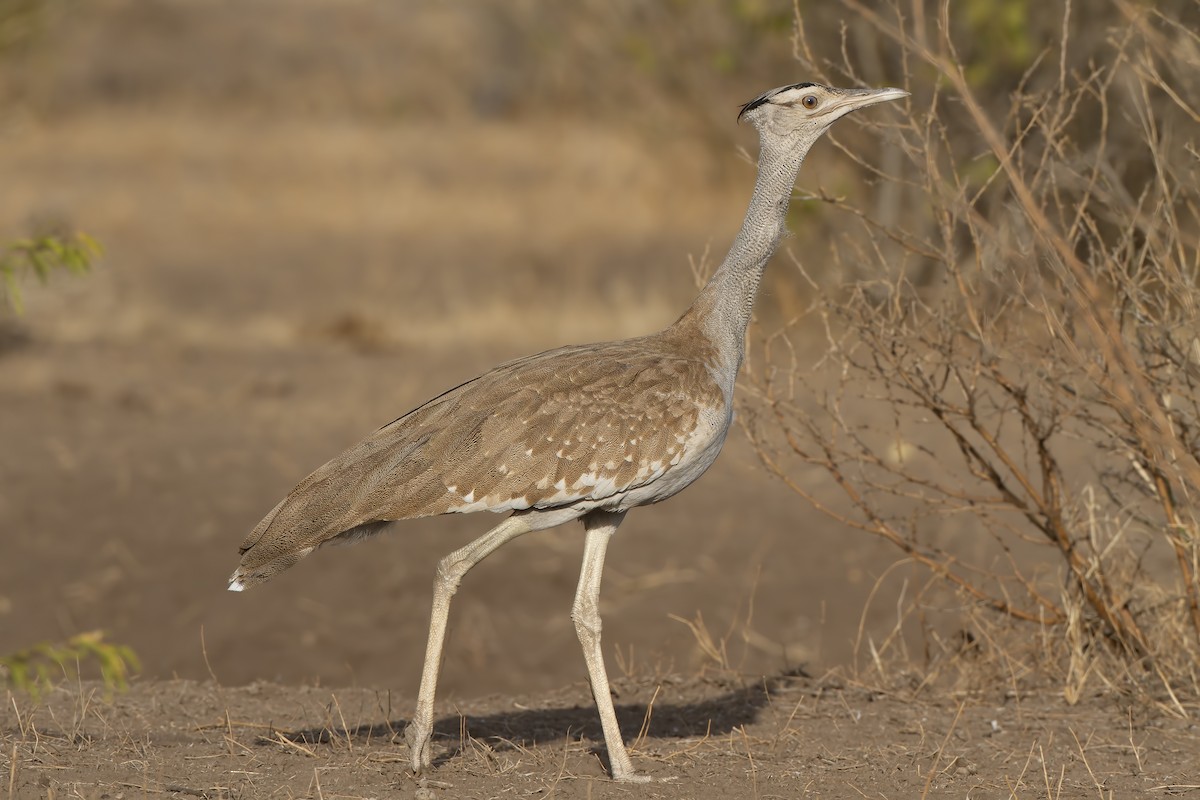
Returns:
<point x="765" y="97"/>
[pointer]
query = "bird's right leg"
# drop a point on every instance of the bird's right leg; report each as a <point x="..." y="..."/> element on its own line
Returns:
<point x="600" y="526"/>
<point x="450" y="571"/>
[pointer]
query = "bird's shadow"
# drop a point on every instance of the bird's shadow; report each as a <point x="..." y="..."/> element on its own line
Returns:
<point x="529" y="727"/>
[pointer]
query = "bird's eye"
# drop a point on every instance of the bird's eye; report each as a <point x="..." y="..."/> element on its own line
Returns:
<point x="810" y="101"/>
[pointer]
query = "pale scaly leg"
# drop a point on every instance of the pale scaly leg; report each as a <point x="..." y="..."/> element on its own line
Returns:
<point x="450" y="571"/>
<point x="600" y="526"/>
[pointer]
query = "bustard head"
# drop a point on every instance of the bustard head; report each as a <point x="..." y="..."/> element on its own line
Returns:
<point x="800" y="113"/>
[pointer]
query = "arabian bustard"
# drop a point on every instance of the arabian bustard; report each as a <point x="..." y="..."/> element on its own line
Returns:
<point x="585" y="432"/>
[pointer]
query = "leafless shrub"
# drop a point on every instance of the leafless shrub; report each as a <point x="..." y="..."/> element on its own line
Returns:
<point x="1011" y="400"/>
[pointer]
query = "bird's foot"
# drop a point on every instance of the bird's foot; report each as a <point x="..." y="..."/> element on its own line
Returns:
<point x="622" y="770"/>
<point x="420" y="744"/>
<point x="641" y="777"/>
<point x="634" y="777"/>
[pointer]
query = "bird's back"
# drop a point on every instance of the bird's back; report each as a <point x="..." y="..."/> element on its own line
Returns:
<point x="609" y="425"/>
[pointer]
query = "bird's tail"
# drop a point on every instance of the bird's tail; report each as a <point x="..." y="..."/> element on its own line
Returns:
<point x="259" y="564"/>
<point x="255" y="569"/>
<point x="322" y="508"/>
<point x="344" y="500"/>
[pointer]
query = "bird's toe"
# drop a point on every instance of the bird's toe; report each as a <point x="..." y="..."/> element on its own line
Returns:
<point x="636" y="777"/>
<point x="420" y="744"/>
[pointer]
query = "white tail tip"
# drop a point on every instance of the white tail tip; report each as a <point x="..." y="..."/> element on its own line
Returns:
<point x="235" y="585"/>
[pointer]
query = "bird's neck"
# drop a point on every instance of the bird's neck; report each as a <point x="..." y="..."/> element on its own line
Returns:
<point x="723" y="307"/>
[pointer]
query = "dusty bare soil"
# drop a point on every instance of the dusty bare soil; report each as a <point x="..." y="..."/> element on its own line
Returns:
<point x="780" y="737"/>
<point x="284" y="271"/>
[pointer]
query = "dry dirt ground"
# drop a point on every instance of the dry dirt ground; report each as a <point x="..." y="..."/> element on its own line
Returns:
<point x="282" y="275"/>
<point x="781" y="737"/>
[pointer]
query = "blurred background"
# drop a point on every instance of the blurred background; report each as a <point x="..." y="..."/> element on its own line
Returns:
<point x="314" y="216"/>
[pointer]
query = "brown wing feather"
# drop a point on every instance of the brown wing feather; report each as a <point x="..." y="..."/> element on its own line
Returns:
<point x="585" y="422"/>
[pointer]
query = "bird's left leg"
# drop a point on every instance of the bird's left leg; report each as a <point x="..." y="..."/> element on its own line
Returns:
<point x="600" y="526"/>
<point x="450" y="571"/>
